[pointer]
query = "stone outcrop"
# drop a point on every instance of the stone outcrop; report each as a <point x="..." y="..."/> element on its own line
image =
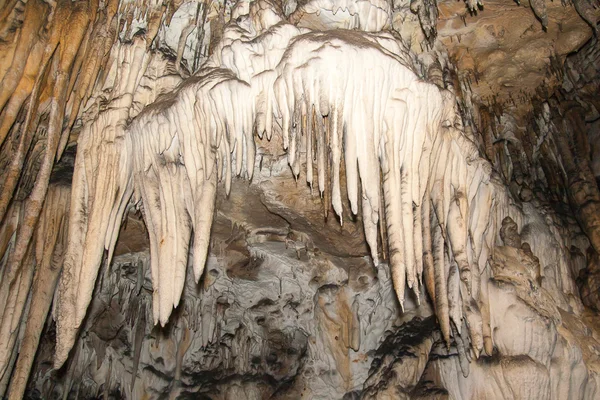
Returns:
<point x="318" y="199"/>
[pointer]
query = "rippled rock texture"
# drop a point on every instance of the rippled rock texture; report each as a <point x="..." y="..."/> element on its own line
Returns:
<point x="315" y="199"/>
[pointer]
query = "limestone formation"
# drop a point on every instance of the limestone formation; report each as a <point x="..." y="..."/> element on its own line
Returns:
<point x="325" y="199"/>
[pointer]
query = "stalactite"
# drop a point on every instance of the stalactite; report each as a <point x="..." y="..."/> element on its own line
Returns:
<point x="176" y="170"/>
<point x="570" y="155"/>
<point x="58" y="55"/>
<point x="25" y="139"/>
<point x="101" y="190"/>
<point x="10" y="318"/>
<point x="368" y="16"/>
<point x="588" y="12"/>
<point x="64" y="58"/>
<point x="427" y="12"/>
<point x="51" y="243"/>
<point x="386" y="122"/>
<point x="33" y="20"/>
<point x="44" y="69"/>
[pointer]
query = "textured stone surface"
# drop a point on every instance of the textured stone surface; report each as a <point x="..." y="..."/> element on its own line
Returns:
<point x="290" y="304"/>
<point x="274" y="316"/>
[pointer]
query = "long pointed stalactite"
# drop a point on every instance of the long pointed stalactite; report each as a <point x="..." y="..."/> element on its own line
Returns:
<point x="50" y="246"/>
<point x="49" y="67"/>
<point x="49" y="63"/>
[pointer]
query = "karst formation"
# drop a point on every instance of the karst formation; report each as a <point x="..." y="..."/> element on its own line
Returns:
<point x="285" y="199"/>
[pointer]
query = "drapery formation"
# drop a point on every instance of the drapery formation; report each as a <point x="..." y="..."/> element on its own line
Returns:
<point x="410" y="169"/>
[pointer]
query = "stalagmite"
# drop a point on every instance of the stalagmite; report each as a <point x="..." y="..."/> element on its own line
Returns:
<point x="138" y="336"/>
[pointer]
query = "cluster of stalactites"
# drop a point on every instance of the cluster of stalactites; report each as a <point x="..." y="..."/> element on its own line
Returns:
<point x="26" y="307"/>
<point x="180" y="148"/>
<point x="421" y="181"/>
<point x="55" y="57"/>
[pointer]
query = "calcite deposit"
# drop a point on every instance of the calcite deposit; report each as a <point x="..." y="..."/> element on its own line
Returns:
<point x="317" y="199"/>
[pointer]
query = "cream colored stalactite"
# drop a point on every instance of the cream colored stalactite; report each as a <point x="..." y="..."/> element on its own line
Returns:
<point x="303" y="86"/>
<point x="225" y="114"/>
<point x="100" y="192"/>
<point x="50" y="244"/>
<point x="391" y="192"/>
<point x="480" y="228"/>
<point x="441" y="270"/>
<point x="423" y="107"/>
<point x="164" y="189"/>
<point x="101" y="189"/>
<point x="98" y="44"/>
<point x="181" y="147"/>
<point x="264" y="95"/>
<point x="386" y="122"/>
<point x="202" y="184"/>
<point x="434" y="182"/>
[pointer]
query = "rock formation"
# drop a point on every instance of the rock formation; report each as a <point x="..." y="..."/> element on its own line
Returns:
<point x="317" y="199"/>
